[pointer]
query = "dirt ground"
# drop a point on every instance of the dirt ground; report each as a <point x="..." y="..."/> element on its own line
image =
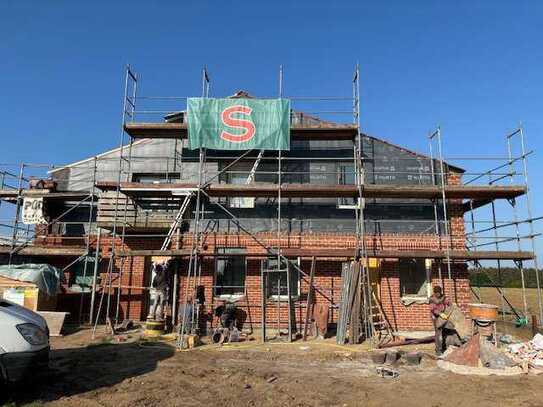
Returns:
<point x="315" y="373"/>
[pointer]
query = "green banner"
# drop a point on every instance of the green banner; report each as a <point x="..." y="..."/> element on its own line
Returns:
<point x="239" y="124"/>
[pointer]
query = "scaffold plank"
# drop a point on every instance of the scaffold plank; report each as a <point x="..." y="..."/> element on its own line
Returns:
<point x="350" y="253"/>
<point x="179" y="130"/>
<point x="11" y="195"/>
<point x="479" y="192"/>
<point x="45" y="251"/>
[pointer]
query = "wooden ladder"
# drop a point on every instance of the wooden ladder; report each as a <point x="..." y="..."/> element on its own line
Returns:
<point x="382" y="331"/>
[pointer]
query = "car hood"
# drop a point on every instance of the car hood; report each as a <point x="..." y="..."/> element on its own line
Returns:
<point x="21" y="315"/>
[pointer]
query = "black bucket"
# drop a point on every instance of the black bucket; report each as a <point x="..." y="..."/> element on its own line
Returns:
<point x="391" y="357"/>
<point x="413" y="358"/>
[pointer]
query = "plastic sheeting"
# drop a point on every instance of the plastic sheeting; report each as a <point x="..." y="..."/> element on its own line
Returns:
<point x="46" y="277"/>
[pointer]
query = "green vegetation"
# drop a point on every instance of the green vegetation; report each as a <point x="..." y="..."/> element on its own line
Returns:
<point x="506" y="277"/>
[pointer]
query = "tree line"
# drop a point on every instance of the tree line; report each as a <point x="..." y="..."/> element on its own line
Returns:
<point x="508" y="277"/>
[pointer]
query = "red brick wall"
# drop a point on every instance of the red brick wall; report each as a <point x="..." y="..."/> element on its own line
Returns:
<point x="135" y="275"/>
<point x="417" y="316"/>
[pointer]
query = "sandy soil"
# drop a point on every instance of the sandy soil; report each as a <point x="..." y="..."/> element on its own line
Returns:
<point x="316" y="373"/>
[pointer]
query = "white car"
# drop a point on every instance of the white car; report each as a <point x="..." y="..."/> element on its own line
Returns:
<point x="24" y="342"/>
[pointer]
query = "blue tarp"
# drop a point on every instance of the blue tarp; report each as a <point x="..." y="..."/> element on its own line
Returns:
<point x="46" y="277"/>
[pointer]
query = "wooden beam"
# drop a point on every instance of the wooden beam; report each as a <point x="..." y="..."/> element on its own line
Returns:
<point x="45" y="251"/>
<point x="179" y="131"/>
<point x="8" y="194"/>
<point x="474" y="204"/>
<point x="479" y="192"/>
<point x="287" y="252"/>
<point x="349" y="253"/>
<point x="309" y="298"/>
<point x="11" y="195"/>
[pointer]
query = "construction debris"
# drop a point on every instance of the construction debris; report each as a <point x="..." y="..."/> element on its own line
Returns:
<point x="492" y="358"/>
<point x="387" y="373"/>
<point x="407" y="341"/>
<point x="480" y="357"/>
<point x="272" y="379"/>
<point x="531" y="351"/>
<point x="466" y="355"/>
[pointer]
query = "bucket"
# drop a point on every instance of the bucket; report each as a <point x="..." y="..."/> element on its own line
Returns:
<point x="391" y="357"/>
<point x="483" y="312"/>
<point x="154" y="329"/>
<point x="413" y="358"/>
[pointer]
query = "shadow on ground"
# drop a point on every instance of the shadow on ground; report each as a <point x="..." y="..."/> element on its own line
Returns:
<point x="79" y="370"/>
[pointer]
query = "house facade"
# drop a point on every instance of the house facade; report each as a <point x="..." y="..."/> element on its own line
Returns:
<point x="405" y="238"/>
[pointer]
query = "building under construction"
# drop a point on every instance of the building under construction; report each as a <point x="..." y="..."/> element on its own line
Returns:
<point x="354" y="225"/>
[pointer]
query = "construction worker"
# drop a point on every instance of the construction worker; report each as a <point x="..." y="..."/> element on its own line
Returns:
<point x="438" y="305"/>
<point x="160" y="285"/>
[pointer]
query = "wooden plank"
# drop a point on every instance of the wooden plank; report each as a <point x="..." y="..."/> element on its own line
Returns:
<point x="45" y="251"/>
<point x="136" y="226"/>
<point x="479" y="192"/>
<point x="179" y="131"/>
<point x="350" y="253"/>
<point x="309" y="298"/>
<point x="474" y="204"/>
<point x="8" y="194"/>
<point x="11" y="195"/>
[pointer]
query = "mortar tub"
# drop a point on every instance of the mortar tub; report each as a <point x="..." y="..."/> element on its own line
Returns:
<point x="483" y="312"/>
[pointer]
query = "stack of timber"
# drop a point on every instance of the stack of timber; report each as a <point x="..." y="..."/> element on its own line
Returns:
<point x="149" y="214"/>
<point x="349" y="320"/>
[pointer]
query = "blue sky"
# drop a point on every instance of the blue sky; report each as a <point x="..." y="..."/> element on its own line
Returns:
<point x="472" y="67"/>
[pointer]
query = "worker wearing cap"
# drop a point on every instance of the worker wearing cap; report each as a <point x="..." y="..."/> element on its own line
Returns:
<point x="438" y="306"/>
<point x="160" y="285"/>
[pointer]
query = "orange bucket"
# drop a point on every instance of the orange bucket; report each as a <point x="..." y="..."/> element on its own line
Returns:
<point x="483" y="312"/>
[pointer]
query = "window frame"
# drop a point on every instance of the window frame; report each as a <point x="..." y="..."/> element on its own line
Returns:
<point x="280" y="297"/>
<point x="427" y="269"/>
<point x="218" y="257"/>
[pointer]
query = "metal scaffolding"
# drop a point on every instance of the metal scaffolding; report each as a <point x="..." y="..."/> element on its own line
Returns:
<point x="191" y="201"/>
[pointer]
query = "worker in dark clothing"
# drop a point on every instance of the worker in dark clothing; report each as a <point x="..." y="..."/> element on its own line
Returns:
<point x="438" y="305"/>
<point x="161" y="285"/>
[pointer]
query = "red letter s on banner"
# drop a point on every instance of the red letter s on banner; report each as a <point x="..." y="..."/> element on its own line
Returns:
<point x="247" y="125"/>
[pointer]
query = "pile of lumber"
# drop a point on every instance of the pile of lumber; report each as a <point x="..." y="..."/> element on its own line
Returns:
<point x="349" y="321"/>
